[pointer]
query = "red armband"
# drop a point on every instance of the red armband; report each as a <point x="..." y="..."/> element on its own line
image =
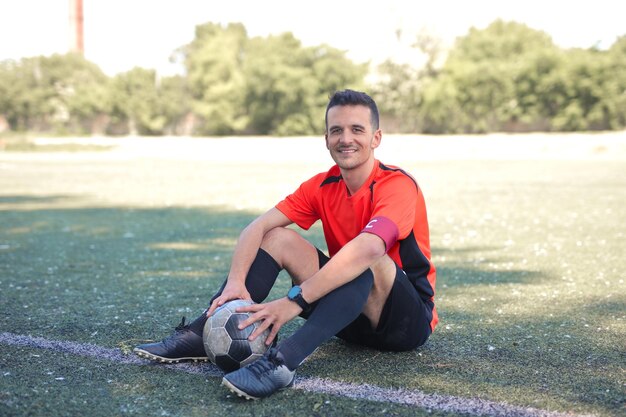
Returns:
<point x="384" y="229"/>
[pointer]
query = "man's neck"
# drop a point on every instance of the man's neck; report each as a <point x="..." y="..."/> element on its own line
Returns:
<point x="354" y="178"/>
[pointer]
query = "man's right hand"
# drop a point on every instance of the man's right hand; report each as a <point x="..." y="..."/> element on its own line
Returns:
<point x="232" y="291"/>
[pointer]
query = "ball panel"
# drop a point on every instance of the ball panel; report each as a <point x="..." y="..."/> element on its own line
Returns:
<point x="219" y="341"/>
<point x="233" y="305"/>
<point x="233" y="330"/>
<point x="251" y="359"/>
<point x="239" y="350"/>
<point x="226" y="363"/>
<point x="206" y="336"/>
<point x="208" y="351"/>
<point x="219" y="317"/>
<point x="258" y="345"/>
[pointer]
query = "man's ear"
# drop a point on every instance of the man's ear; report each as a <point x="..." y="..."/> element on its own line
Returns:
<point x="326" y="139"/>
<point x="378" y="136"/>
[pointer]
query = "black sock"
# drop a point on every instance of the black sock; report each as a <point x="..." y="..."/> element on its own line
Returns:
<point x="332" y="313"/>
<point x="260" y="280"/>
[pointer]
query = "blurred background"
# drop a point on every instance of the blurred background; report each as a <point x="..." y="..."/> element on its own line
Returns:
<point x="208" y="68"/>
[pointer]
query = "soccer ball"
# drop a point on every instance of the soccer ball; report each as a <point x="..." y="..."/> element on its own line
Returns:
<point x="226" y="345"/>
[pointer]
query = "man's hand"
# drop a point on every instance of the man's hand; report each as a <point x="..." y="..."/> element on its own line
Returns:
<point x="273" y="314"/>
<point x="232" y="291"/>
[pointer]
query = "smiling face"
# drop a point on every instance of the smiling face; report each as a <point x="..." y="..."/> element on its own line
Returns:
<point x="350" y="137"/>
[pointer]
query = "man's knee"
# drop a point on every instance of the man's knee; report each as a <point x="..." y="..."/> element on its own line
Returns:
<point x="384" y="275"/>
<point x="384" y="271"/>
<point x="292" y="252"/>
<point x="278" y="238"/>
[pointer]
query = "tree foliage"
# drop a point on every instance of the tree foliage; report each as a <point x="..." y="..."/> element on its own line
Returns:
<point x="60" y="93"/>
<point x="509" y="77"/>
<point x="214" y="70"/>
<point x="262" y="85"/>
<point x="505" y="77"/>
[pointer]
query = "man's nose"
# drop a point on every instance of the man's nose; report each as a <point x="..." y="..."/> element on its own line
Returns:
<point x="345" y="137"/>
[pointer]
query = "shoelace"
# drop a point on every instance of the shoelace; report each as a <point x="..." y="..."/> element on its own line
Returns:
<point x="261" y="366"/>
<point x="182" y="325"/>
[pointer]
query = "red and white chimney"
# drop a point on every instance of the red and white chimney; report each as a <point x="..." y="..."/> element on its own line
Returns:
<point x="76" y="27"/>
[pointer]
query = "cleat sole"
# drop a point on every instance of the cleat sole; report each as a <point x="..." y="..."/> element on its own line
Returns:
<point x="237" y="391"/>
<point x="245" y="395"/>
<point x="147" y="355"/>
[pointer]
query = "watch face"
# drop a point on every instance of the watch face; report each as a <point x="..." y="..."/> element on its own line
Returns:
<point x="294" y="292"/>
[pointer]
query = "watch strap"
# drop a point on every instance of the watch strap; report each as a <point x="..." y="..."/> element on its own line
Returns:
<point x="302" y="303"/>
<point x="299" y="299"/>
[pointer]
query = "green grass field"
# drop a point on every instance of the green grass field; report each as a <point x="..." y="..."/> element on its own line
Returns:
<point x="110" y="248"/>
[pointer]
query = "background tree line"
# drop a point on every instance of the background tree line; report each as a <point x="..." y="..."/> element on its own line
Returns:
<point x="506" y="77"/>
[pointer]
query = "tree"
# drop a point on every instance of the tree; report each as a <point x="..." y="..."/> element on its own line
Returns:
<point x="500" y="41"/>
<point x="400" y="87"/>
<point x="289" y="85"/>
<point x="540" y="90"/>
<point x="280" y="89"/>
<point x="62" y="92"/>
<point x="485" y="67"/>
<point x="263" y="85"/>
<point x="440" y="110"/>
<point x="511" y="77"/>
<point x="136" y="103"/>
<point x="81" y="89"/>
<point x="174" y="103"/>
<point x="332" y="70"/>
<point x="12" y="94"/>
<point x="615" y="99"/>
<point x="214" y="62"/>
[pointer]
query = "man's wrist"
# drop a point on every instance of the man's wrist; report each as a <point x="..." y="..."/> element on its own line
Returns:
<point x="295" y="295"/>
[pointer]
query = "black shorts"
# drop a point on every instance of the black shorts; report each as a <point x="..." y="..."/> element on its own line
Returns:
<point x="404" y="322"/>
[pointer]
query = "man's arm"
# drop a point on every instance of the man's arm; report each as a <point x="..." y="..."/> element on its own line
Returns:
<point x="250" y="240"/>
<point x="351" y="260"/>
<point x="245" y="251"/>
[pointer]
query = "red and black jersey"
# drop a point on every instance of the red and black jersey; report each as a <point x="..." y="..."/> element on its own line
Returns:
<point x="390" y="204"/>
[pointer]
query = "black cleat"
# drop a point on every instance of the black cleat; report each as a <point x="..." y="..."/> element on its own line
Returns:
<point x="261" y="378"/>
<point x="182" y="345"/>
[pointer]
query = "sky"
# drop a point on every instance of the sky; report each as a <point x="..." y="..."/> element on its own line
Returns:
<point x="122" y="34"/>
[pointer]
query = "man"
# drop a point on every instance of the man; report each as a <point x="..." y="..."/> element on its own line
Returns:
<point x="377" y="287"/>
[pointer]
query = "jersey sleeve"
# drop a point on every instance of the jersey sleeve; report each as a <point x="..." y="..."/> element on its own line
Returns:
<point x="300" y="206"/>
<point x="393" y="215"/>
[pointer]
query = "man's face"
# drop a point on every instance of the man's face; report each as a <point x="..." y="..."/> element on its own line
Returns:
<point x="349" y="136"/>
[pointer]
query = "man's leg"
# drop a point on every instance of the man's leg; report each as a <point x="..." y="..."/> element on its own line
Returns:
<point x="403" y="324"/>
<point x="384" y="275"/>
<point x="365" y="294"/>
<point x="330" y="314"/>
<point x="292" y="252"/>
<point x="186" y="344"/>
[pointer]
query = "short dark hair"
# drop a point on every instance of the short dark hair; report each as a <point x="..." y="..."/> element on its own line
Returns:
<point x="354" y="98"/>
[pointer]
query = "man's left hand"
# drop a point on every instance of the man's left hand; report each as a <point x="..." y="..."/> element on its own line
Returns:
<point x="273" y="314"/>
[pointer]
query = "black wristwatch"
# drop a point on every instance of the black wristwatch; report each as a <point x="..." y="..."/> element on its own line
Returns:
<point x="295" y="295"/>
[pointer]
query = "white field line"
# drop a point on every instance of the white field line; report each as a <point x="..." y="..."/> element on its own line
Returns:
<point x="446" y="403"/>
